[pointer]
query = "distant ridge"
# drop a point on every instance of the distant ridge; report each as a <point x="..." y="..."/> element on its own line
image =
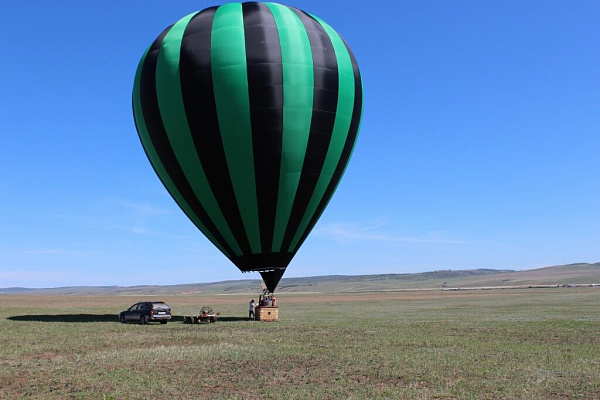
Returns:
<point x="16" y="290"/>
<point x="571" y="274"/>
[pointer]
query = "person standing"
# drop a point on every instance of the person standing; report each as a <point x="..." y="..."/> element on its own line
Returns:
<point x="251" y="315"/>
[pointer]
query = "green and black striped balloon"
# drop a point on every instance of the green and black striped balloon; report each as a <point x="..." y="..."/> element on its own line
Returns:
<point x="249" y="113"/>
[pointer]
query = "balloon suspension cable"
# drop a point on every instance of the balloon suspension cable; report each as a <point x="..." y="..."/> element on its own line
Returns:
<point x="271" y="277"/>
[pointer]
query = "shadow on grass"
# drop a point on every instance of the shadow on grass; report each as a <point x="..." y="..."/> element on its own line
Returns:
<point x="177" y="318"/>
<point x="66" y="318"/>
<point x="97" y="318"/>
<point x="232" y="319"/>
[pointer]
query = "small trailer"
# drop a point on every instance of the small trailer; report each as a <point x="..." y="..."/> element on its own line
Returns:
<point x="206" y="316"/>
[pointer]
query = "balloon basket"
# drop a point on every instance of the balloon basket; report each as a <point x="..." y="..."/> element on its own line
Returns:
<point x="267" y="313"/>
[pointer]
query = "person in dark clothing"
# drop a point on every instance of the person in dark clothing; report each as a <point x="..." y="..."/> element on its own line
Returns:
<point x="251" y="315"/>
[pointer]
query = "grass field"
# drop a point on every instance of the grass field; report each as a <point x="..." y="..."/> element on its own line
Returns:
<point x="504" y="344"/>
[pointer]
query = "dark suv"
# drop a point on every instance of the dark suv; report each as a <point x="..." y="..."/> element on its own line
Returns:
<point x="147" y="311"/>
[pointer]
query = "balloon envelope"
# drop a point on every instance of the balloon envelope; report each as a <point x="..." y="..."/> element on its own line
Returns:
<point x="248" y="113"/>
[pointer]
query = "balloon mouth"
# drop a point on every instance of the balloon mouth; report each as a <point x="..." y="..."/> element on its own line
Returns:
<point x="262" y="262"/>
<point x="266" y="269"/>
<point x="271" y="266"/>
<point x="272" y="278"/>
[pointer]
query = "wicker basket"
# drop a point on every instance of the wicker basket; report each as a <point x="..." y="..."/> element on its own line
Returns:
<point x="267" y="313"/>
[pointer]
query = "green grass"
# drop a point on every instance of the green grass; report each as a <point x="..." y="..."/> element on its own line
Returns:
<point x="513" y="344"/>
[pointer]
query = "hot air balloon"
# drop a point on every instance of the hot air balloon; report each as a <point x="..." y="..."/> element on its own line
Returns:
<point x="248" y="113"/>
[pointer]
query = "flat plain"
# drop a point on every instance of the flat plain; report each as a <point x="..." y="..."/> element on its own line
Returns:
<point x="479" y="344"/>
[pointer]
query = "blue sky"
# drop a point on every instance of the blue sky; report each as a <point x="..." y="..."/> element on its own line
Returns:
<point x="479" y="145"/>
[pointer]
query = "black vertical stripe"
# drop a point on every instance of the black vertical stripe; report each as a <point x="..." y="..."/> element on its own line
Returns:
<point x="346" y="151"/>
<point x="160" y="141"/>
<point x="323" y="119"/>
<point x="265" y="89"/>
<point x="201" y="111"/>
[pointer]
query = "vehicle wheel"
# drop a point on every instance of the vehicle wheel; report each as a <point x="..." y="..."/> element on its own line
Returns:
<point x="164" y="322"/>
<point x="143" y="320"/>
<point x="122" y="319"/>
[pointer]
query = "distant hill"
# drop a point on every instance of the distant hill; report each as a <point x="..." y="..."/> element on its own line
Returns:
<point x="571" y="274"/>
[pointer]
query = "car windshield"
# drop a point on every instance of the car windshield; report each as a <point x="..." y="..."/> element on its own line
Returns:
<point x="161" y="306"/>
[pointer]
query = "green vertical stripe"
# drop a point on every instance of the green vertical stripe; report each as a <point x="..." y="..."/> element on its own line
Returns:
<point x="157" y="163"/>
<point x="172" y="110"/>
<point x="340" y="129"/>
<point x="230" y="81"/>
<point x="298" y="83"/>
